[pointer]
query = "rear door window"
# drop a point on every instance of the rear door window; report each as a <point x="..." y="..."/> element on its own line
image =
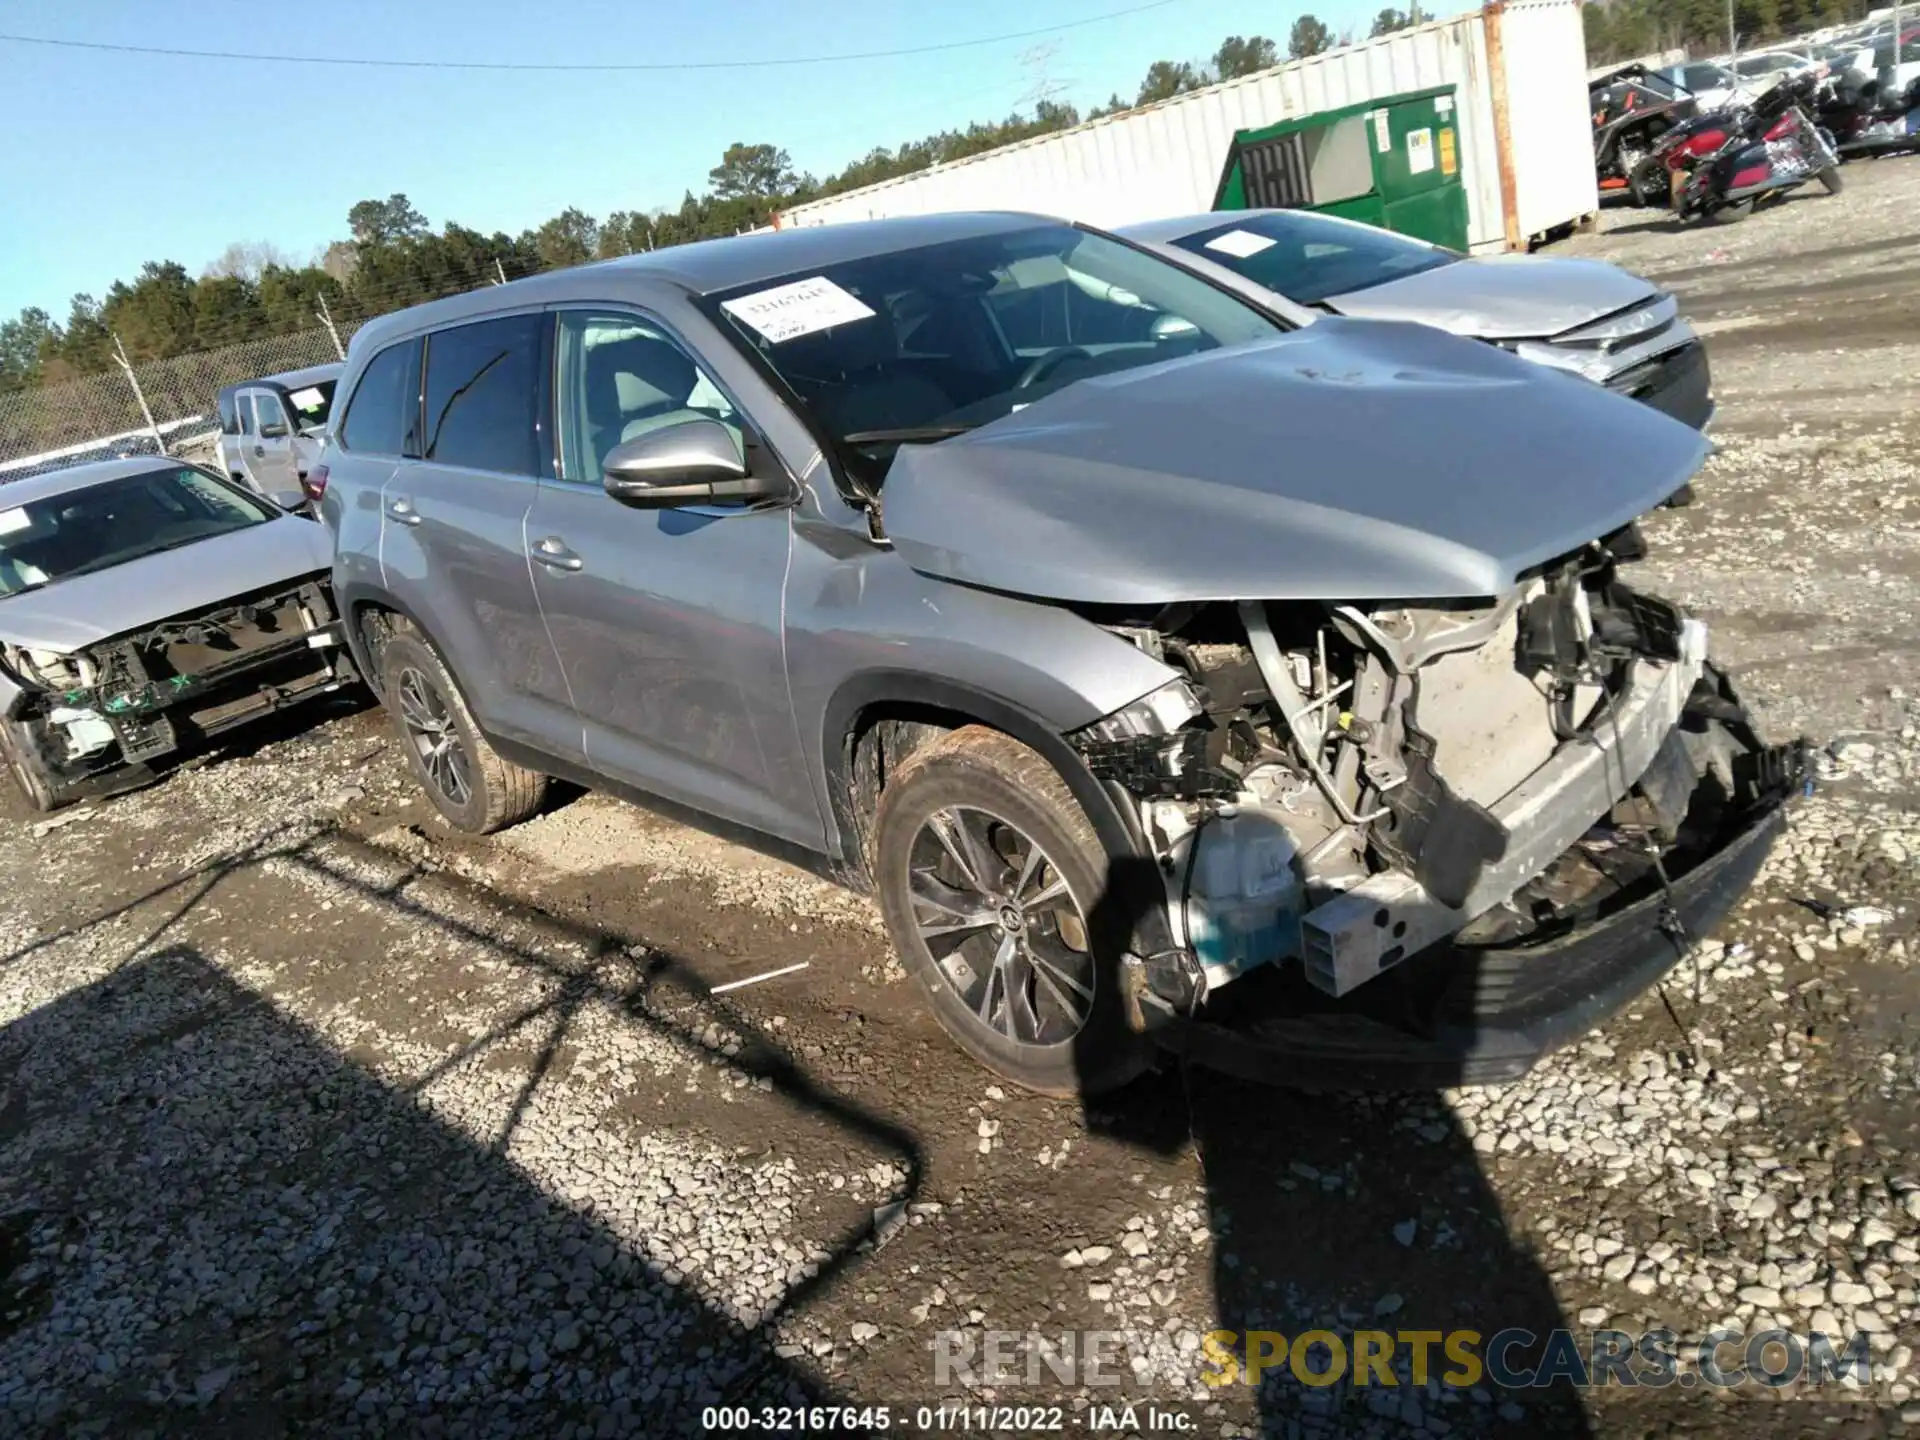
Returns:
<point x="383" y="416"/>
<point x="483" y="395"/>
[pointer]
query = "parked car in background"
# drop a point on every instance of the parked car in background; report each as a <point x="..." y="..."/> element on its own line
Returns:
<point x="1076" y="606"/>
<point x="271" y="428"/>
<point x="146" y="605"/>
<point x="1584" y="317"/>
<point x="1763" y="67"/>
<point x="1712" y="85"/>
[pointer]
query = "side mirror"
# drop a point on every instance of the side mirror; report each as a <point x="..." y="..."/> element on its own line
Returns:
<point x="272" y="430"/>
<point x="693" y="462"/>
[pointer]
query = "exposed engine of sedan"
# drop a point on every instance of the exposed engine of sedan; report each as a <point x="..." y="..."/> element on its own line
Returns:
<point x="137" y="697"/>
<point x="1349" y="785"/>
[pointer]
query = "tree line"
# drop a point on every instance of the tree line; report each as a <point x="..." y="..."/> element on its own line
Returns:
<point x="393" y="257"/>
<point x="1622" y="29"/>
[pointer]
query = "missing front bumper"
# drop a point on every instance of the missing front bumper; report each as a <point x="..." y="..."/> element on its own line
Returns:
<point x="1460" y="1016"/>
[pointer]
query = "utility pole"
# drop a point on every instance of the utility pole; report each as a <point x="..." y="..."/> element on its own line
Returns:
<point x="1733" y="39"/>
<point x="326" y="319"/>
<point x="126" y="367"/>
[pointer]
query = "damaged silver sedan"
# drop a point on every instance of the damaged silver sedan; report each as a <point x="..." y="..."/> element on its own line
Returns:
<point x="146" y="605"/>
<point x="1172" y="677"/>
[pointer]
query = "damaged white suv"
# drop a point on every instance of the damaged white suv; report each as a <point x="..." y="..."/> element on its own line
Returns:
<point x="1171" y="676"/>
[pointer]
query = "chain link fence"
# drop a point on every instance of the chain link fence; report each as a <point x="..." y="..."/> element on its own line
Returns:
<point x="99" y="416"/>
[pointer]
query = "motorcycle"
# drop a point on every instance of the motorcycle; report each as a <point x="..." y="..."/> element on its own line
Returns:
<point x="1866" y="118"/>
<point x="1632" y="108"/>
<point x="1767" y="150"/>
<point x="1680" y="151"/>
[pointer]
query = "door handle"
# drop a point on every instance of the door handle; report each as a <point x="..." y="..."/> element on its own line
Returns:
<point x="554" y="554"/>
<point x="403" y="511"/>
<point x="259" y="449"/>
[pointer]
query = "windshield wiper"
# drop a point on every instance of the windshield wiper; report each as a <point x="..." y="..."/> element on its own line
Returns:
<point x="905" y="434"/>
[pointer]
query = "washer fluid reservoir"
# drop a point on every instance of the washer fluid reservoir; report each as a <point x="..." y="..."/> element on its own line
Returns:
<point x="1244" y="897"/>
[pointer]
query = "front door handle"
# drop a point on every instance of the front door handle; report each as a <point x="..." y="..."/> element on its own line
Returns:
<point x="259" y="449"/>
<point x="403" y="511"/>
<point x="554" y="554"/>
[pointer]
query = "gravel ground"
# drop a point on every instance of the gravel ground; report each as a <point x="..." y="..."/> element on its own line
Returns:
<point x="317" y="1119"/>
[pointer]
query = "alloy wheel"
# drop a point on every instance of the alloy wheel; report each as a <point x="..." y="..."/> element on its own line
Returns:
<point x="1004" y="930"/>
<point x="435" y="738"/>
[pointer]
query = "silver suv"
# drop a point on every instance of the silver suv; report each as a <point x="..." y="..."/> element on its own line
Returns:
<point x="1170" y="674"/>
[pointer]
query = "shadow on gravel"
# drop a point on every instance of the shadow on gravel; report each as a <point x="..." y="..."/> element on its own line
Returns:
<point x="1346" y="1213"/>
<point x="285" y="1244"/>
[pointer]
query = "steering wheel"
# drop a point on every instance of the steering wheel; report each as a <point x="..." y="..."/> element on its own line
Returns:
<point x="1042" y="366"/>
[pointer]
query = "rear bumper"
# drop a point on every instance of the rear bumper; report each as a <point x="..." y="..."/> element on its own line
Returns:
<point x="1493" y="1013"/>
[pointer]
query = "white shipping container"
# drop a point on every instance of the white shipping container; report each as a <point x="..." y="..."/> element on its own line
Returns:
<point x="1167" y="159"/>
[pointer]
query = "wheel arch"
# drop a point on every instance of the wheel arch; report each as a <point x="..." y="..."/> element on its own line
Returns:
<point x="875" y="698"/>
<point x="362" y="608"/>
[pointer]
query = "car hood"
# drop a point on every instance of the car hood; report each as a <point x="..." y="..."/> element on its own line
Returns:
<point x="1517" y="297"/>
<point x="1345" y="461"/>
<point x="71" y="614"/>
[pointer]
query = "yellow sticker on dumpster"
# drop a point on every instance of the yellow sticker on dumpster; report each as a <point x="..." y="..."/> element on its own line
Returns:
<point x="1449" y="161"/>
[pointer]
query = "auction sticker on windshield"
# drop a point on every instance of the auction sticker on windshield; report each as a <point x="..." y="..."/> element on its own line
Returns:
<point x="787" y="312"/>
<point x="13" y="520"/>
<point x="1239" y="243"/>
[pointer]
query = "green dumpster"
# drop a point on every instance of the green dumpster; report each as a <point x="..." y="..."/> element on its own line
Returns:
<point x="1392" y="162"/>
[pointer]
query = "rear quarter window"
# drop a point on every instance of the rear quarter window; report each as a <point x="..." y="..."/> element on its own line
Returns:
<point x="383" y="415"/>
<point x="483" y="395"/>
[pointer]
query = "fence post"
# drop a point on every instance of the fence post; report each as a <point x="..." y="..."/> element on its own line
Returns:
<point x="326" y="319"/>
<point x="126" y="366"/>
<point x="499" y="270"/>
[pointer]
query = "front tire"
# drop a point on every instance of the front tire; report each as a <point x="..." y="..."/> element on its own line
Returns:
<point x="989" y="877"/>
<point x="465" y="778"/>
<point x="43" y="792"/>
<point x="1730" y="214"/>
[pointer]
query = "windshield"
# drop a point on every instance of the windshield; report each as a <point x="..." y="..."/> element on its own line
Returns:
<point x="81" y="531"/>
<point x="1310" y="258"/>
<point x="311" y="404"/>
<point x="946" y="337"/>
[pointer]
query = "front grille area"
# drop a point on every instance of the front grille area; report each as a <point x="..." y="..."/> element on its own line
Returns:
<point x="1677" y="383"/>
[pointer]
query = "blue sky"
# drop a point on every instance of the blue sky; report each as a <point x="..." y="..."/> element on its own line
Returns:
<point x="112" y="159"/>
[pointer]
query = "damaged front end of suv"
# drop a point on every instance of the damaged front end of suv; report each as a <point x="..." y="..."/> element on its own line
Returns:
<point x="1403" y="840"/>
<point x="1471" y="829"/>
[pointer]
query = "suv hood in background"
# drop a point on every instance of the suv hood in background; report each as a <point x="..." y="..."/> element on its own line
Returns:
<point x="69" y="615"/>
<point x="1517" y="297"/>
<point x="1345" y="461"/>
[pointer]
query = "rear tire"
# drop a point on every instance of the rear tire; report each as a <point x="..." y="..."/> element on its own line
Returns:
<point x="1830" y="177"/>
<point x="1730" y="214"/>
<point x="983" y="859"/>
<point x="465" y="778"/>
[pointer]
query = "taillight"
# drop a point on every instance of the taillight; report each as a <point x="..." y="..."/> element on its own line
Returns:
<point x="314" y="482"/>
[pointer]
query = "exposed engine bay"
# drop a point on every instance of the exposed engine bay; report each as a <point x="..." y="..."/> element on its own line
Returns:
<point x="140" y="696"/>
<point x="1347" y="785"/>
